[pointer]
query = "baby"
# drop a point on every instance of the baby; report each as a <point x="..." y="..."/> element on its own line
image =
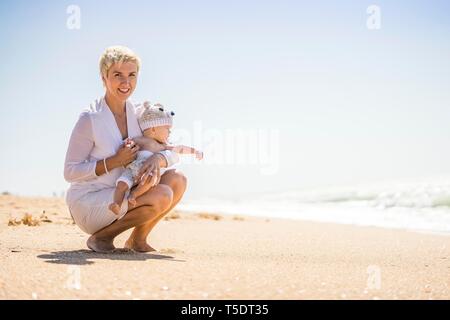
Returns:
<point x="155" y="124"/>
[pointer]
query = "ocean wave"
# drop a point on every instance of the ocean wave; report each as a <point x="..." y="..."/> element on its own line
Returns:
<point x="407" y="196"/>
<point x="420" y="206"/>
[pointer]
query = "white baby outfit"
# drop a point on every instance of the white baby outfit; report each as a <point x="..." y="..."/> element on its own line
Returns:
<point x="131" y="171"/>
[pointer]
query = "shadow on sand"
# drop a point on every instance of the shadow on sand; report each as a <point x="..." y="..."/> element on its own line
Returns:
<point x="85" y="257"/>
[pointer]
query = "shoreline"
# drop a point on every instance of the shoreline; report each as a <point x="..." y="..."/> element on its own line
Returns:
<point x="61" y="203"/>
<point x="399" y="228"/>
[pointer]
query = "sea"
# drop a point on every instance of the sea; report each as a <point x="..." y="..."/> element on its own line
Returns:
<point x="421" y="205"/>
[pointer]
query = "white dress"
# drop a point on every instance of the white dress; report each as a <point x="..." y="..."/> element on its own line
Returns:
<point x="95" y="137"/>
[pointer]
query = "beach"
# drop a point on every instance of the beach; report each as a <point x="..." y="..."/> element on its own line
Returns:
<point x="205" y="255"/>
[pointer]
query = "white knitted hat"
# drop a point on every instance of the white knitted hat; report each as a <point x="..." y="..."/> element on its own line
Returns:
<point x="154" y="116"/>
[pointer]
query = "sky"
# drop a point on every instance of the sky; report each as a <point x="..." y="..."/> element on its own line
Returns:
<point x="280" y="95"/>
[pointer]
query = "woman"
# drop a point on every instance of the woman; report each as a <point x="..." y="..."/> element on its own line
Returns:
<point x="97" y="155"/>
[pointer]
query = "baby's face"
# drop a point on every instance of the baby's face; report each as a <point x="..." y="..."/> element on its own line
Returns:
<point x="160" y="134"/>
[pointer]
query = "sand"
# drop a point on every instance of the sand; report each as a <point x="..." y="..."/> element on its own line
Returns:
<point x="203" y="256"/>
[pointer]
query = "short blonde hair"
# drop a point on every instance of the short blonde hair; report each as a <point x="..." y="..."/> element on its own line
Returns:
<point x="117" y="54"/>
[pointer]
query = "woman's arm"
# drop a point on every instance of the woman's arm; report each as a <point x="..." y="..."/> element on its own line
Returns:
<point x="77" y="167"/>
<point x="110" y="163"/>
<point x="125" y="155"/>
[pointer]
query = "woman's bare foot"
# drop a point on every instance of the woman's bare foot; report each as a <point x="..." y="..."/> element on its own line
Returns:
<point x="138" y="246"/>
<point x="114" y="207"/>
<point x="100" y="245"/>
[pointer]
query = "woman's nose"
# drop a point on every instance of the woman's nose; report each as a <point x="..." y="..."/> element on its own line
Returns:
<point x="124" y="80"/>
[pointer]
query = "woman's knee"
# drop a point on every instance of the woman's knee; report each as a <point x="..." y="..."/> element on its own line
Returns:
<point x="160" y="197"/>
<point x="180" y="180"/>
<point x="166" y="197"/>
<point x="176" y="180"/>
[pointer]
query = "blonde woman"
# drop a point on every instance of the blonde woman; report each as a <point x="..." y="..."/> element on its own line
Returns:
<point x="96" y="157"/>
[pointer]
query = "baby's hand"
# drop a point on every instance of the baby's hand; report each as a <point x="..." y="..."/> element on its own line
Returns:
<point x="198" y="155"/>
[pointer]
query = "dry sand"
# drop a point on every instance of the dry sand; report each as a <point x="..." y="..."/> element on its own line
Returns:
<point x="228" y="257"/>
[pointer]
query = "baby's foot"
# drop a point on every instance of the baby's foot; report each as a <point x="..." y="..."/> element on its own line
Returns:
<point x="114" y="207"/>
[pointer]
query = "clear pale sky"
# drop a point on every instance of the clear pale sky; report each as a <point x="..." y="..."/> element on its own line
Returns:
<point x="349" y="104"/>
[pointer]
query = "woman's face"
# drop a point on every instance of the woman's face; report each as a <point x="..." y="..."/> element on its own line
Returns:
<point x="120" y="81"/>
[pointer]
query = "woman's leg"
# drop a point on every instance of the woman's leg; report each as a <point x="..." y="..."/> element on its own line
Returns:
<point x="149" y="206"/>
<point x="138" y="238"/>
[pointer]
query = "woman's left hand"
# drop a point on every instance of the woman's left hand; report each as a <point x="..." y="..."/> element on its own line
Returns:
<point x="150" y="171"/>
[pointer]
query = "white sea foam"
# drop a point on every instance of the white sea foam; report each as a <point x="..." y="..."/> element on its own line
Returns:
<point x="422" y="205"/>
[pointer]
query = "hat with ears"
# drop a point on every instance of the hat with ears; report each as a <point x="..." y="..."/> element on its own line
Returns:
<point x="151" y="116"/>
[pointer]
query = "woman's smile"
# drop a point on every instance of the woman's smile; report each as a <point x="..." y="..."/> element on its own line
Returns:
<point x="124" y="91"/>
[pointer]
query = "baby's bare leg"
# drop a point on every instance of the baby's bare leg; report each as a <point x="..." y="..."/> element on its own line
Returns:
<point x="136" y="192"/>
<point x="119" y="194"/>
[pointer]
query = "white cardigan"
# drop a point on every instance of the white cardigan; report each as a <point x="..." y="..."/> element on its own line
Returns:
<point x="94" y="137"/>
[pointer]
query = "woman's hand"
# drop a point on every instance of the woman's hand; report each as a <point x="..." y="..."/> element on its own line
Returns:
<point x="150" y="171"/>
<point x="127" y="153"/>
